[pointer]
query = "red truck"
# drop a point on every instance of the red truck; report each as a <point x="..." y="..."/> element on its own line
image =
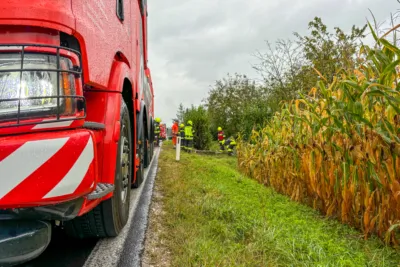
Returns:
<point x="76" y="119"/>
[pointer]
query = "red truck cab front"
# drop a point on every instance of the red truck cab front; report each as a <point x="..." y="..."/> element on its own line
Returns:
<point x="76" y="105"/>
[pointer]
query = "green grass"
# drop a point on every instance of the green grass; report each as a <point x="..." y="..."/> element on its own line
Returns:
<point x="214" y="146"/>
<point x="216" y="217"/>
<point x="167" y="142"/>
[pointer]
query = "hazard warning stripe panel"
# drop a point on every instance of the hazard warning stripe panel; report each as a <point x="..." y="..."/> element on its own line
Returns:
<point x="25" y="160"/>
<point x="75" y="175"/>
<point x="57" y="167"/>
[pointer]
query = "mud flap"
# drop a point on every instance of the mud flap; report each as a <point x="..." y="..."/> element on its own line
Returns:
<point x="22" y="240"/>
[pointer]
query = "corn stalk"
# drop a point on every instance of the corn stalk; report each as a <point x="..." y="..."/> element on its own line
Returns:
<point x="337" y="148"/>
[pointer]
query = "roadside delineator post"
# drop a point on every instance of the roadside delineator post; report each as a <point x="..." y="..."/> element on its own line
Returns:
<point x="178" y="148"/>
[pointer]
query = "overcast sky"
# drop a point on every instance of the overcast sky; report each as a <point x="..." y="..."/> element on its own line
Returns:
<point x="192" y="43"/>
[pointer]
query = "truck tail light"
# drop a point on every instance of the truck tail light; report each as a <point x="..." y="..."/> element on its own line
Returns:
<point x="37" y="83"/>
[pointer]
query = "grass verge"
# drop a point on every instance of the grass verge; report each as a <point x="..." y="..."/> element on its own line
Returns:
<point x="213" y="216"/>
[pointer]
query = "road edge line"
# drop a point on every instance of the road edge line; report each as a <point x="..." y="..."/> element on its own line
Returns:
<point x="108" y="251"/>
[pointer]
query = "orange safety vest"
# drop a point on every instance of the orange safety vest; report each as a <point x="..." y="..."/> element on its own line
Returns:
<point x="175" y="129"/>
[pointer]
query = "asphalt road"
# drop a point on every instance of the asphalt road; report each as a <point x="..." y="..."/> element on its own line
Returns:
<point x="124" y="250"/>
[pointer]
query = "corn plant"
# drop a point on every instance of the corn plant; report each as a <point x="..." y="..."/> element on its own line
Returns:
<point x="337" y="148"/>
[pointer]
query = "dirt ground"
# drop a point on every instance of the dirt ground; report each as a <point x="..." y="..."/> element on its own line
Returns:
<point x="155" y="253"/>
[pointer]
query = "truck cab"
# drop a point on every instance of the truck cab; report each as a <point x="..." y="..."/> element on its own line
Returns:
<point x="76" y="113"/>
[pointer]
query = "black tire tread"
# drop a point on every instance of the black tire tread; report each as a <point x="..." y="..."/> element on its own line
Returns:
<point x="147" y="153"/>
<point x="88" y="225"/>
<point x="140" y="174"/>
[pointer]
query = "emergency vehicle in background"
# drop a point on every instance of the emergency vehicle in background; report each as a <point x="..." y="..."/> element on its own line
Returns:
<point x="76" y="119"/>
<point x="163" y="131"/>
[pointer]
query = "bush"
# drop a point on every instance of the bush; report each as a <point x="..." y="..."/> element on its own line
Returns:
<point x="201" y="125"/>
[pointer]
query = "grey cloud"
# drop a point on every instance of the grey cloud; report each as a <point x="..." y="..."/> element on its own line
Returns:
<point x="194" y="42"/>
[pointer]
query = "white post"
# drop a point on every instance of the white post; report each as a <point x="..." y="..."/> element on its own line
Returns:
<point x="178" y="148"/>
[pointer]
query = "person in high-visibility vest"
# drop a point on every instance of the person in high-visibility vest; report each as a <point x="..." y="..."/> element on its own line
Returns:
<point x="182" y="132"/>
<point x="157" y="131"/>
<point x="175" y="132"/>
<point x="230" y="145"/>
<point x="189" y="135"/>
<point x="221" y="139"/>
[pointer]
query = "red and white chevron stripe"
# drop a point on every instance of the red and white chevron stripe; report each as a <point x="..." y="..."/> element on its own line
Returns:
<point x="35" y="171"/>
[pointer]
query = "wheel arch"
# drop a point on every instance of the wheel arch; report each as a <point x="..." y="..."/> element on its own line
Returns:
<point x="120" y="84"/>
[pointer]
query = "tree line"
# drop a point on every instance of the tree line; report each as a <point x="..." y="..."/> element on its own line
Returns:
<point x="289" y="69"/>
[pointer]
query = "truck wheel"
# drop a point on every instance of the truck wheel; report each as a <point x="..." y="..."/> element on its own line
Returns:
<point x="140" y="171"/>
<point x="147" y="151"/>
<point x="108" y="218"/>
<point x="151" y="150"/>
<point x="150" y="153"/>
<point x="152" y="141"/>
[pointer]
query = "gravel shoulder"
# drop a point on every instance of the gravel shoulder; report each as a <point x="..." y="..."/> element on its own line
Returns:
<point x="155" y="252"/>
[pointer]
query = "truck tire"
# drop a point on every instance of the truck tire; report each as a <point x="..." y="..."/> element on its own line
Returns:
<point x="147" y="151"/>
<point x="110" y="217"/>
<point x="151" y="150"/>
<point x="151" y="140"/>
<point x="141" y="146"/>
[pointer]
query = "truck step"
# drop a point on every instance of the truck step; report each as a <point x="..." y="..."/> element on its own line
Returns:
<point x="101" y="190"/>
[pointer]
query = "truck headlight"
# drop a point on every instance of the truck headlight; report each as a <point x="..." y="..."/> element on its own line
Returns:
<point x="32" y="89"/>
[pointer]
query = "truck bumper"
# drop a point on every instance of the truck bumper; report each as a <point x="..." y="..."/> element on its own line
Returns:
<point x="21" y="241"/>
<point x="46" y="168"/>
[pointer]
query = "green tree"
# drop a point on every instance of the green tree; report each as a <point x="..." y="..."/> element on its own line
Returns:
<point x="180" y="113"/>
<point x="254" y="116"/>
<point x="329" y="52"/>
<point x="201" y="125"/>
<point x="281" y="65"/>
<point x="290" y="69"/>
<point x="229" y="100"/>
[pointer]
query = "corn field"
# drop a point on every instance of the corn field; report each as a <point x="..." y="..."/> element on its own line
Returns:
<point x="338" y="148"/>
